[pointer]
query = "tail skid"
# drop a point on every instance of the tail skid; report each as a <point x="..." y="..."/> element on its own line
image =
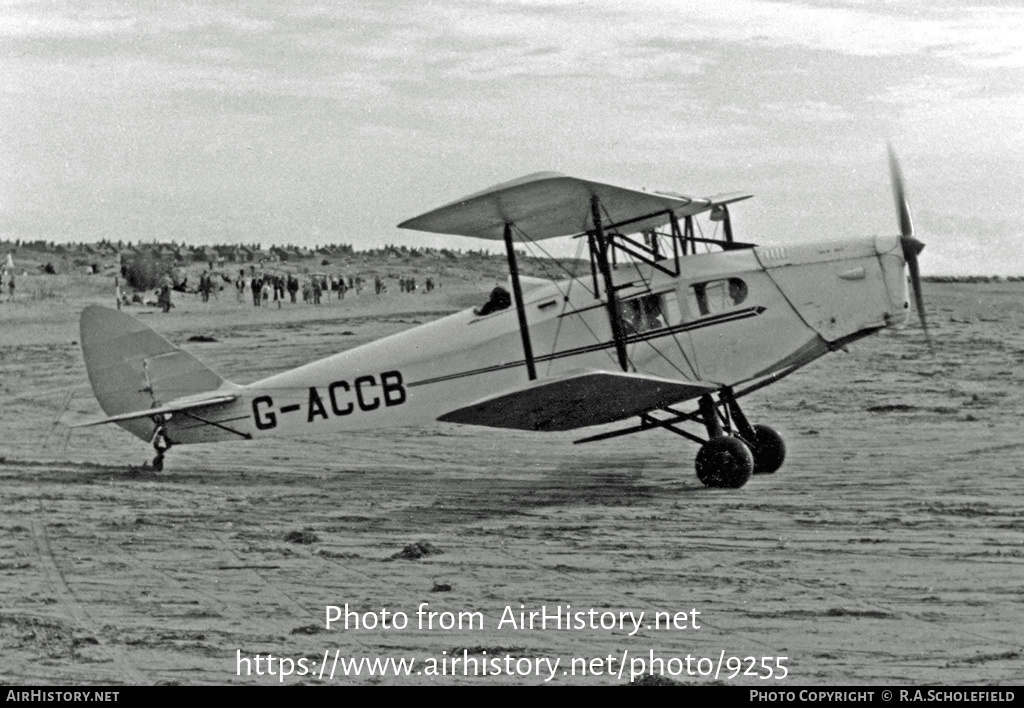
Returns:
<point x="136" y="374"/>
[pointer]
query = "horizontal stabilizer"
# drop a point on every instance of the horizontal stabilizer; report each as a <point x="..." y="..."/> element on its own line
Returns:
<point x="163" y="410"/>
<point x="576" y="400"/>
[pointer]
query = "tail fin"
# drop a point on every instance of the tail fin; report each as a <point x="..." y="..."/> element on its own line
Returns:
<point x="132" y="368"/>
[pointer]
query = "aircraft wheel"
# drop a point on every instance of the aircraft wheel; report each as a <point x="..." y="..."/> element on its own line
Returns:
<point x="724" y="462"/>
<point x="158" y="463"/>
<point x="769" y="450"/>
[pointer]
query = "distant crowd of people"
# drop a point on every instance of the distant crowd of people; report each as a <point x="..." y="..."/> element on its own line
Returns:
<point x="265" y="288"/>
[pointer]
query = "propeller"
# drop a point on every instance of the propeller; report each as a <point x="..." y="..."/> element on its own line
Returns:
<point x="911" y="246"/>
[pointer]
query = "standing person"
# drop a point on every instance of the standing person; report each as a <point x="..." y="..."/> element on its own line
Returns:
<point x="117" y="292"/>
<point x="240" y="285"/>
<point x="293" y="286"/>
<point x="7" y="268"/>
<point x="266" y="292"/>
<point x="165" y="293"/>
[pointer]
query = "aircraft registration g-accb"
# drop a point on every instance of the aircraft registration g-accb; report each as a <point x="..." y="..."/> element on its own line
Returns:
<point x="650" y="325"/>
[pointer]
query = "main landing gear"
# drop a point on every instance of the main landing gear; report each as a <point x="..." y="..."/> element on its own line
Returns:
<point x="735" y="449"/>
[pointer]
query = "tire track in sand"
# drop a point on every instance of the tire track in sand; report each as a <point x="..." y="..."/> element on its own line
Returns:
<point x="69" y="602"/>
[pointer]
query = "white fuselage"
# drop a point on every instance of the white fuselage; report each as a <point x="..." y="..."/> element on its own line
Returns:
<point x="729" y="317"/>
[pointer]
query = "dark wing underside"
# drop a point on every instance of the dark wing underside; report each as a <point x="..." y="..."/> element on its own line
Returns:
<point x="577" y="400"/>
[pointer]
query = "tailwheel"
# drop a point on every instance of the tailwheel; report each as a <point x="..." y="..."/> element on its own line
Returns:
<point x="725" y="463"/>
<point x="768" y="447"/>
<point x="161" y="444"/>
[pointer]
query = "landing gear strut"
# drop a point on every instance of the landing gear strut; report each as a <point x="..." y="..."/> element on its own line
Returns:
<point x="731" y="455"/>
<point x="161" y="444"/>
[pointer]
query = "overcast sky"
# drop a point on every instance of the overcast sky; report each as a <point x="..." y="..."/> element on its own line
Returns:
<point x="309" y="122"/>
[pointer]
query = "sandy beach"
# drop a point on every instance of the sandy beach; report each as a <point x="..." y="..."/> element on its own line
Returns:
<point x="887" y="551"/>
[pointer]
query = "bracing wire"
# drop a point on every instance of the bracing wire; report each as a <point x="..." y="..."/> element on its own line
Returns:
<point x="675" y="336"/>
<point x="565" y="301"/>
<point x="565" y="294"/>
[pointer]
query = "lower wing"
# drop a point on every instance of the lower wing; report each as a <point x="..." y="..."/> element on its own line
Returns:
<point x="577" y="400"/>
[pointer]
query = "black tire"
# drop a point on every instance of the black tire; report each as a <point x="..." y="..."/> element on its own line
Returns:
<point x="158" y="463"/>
<point x="769" y="450"/>
<point x="724" y="463"/>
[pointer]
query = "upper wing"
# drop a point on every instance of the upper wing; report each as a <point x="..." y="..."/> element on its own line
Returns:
<point x="549" y="204"/>
<point x="576" y="400"/>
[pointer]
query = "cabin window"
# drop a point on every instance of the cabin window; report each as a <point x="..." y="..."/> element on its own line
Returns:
<point x="716" y="296"/>
<point x="647" y="312"/>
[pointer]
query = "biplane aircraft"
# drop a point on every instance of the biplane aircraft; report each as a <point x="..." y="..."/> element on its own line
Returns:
<point x="651" y="326"/>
